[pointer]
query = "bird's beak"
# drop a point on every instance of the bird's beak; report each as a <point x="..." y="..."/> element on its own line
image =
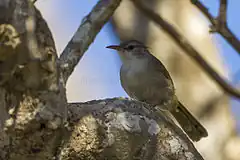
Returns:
<point x="115" y="47"/>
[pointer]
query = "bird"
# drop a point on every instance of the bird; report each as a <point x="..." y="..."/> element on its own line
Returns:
<point x="145" y="78"/>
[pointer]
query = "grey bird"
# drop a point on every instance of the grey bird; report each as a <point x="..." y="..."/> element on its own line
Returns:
<point x="145" y="78"/>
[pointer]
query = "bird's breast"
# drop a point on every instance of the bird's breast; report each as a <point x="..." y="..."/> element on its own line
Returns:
<point x="134" y="73"/>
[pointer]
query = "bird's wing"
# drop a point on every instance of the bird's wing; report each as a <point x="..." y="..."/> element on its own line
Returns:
<point x="158" y="66"/>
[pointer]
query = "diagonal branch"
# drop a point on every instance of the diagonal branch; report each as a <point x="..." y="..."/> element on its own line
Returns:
<point x="188" y="48"/>
<point x="219" y="24"/>
<point x="85" y="35"/>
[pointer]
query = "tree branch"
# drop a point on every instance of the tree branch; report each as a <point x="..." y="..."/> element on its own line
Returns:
<point x="85" y="35"/>
<point x="124" y="129"/>
<point x="188" y="48"/>
<point x="219" y="24"/>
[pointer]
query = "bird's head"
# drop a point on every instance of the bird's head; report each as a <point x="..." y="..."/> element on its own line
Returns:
<point x="129" y="50"/>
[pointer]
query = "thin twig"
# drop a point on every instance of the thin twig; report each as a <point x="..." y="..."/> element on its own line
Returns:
<point x="85" y="35"/>
<point x="221" y="20"/>
<point x="188" y="48"/>
<point x="219" y="24"/>
<point x="222" y="14"/>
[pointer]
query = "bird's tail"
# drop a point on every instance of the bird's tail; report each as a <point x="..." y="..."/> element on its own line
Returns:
<point x="189" y="123"/>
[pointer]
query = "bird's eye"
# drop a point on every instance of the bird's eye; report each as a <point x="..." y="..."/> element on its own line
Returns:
<point x="130" y="47"/>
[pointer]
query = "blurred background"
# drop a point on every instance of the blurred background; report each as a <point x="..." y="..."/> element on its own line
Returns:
<point x="97" y="74"/>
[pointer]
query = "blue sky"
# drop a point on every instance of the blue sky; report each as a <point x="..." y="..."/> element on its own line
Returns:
<point x="101" y="80"/>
